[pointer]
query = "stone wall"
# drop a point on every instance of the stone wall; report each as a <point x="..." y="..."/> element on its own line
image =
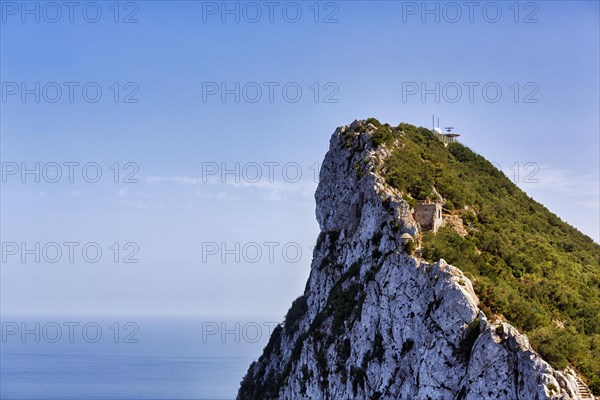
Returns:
<point x="428" y="216"/>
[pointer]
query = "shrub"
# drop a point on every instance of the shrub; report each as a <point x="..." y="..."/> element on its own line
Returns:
<point x="500" y="330"/>
<point x="471" y="335"/>
<point x="373" y="121"/>
<point x="274" y="341"/>
<point x="595" y="385"/>
<point x="343" y="304"/>
<point x="560" y="346"/>
<point x="295" y="313"/>
<point x="382" y="135"/>
<point x="409" y="246"/>
<point x="321" y="358"/>
<point x="344" y="351"/>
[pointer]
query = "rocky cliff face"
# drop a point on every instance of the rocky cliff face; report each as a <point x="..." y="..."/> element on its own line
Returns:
<point x="377" y="323"/>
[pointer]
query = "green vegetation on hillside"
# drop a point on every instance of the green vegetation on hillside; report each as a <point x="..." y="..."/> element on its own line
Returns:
<point x="527" y="265"/>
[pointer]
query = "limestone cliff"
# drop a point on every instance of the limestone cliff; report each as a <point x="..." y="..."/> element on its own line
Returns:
<point x="377" y="323"/>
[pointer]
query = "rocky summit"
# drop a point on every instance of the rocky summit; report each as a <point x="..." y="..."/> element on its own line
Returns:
<point x="376" y="321"/>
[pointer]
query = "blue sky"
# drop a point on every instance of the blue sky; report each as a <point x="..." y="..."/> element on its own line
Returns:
<point x="176" y="134"/>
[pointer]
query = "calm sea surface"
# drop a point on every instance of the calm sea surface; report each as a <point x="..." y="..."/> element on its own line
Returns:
<point x="127" y="358"/>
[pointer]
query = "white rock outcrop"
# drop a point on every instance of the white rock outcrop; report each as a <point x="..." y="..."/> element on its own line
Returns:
<point x="376" y="323"/>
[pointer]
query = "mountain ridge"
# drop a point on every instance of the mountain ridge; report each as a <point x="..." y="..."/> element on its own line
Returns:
<point x="376" y="322"/>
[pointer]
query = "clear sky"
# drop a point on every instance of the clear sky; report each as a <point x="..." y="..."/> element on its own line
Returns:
<point x="188" y="92"/>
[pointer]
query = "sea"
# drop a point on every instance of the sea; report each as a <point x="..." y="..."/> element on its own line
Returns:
<point x="118" y="358"/>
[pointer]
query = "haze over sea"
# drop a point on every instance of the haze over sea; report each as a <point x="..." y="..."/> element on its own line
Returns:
<point x="174" y="358"/>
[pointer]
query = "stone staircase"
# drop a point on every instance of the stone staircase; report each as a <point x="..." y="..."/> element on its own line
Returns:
<point x="583" y="390"/>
